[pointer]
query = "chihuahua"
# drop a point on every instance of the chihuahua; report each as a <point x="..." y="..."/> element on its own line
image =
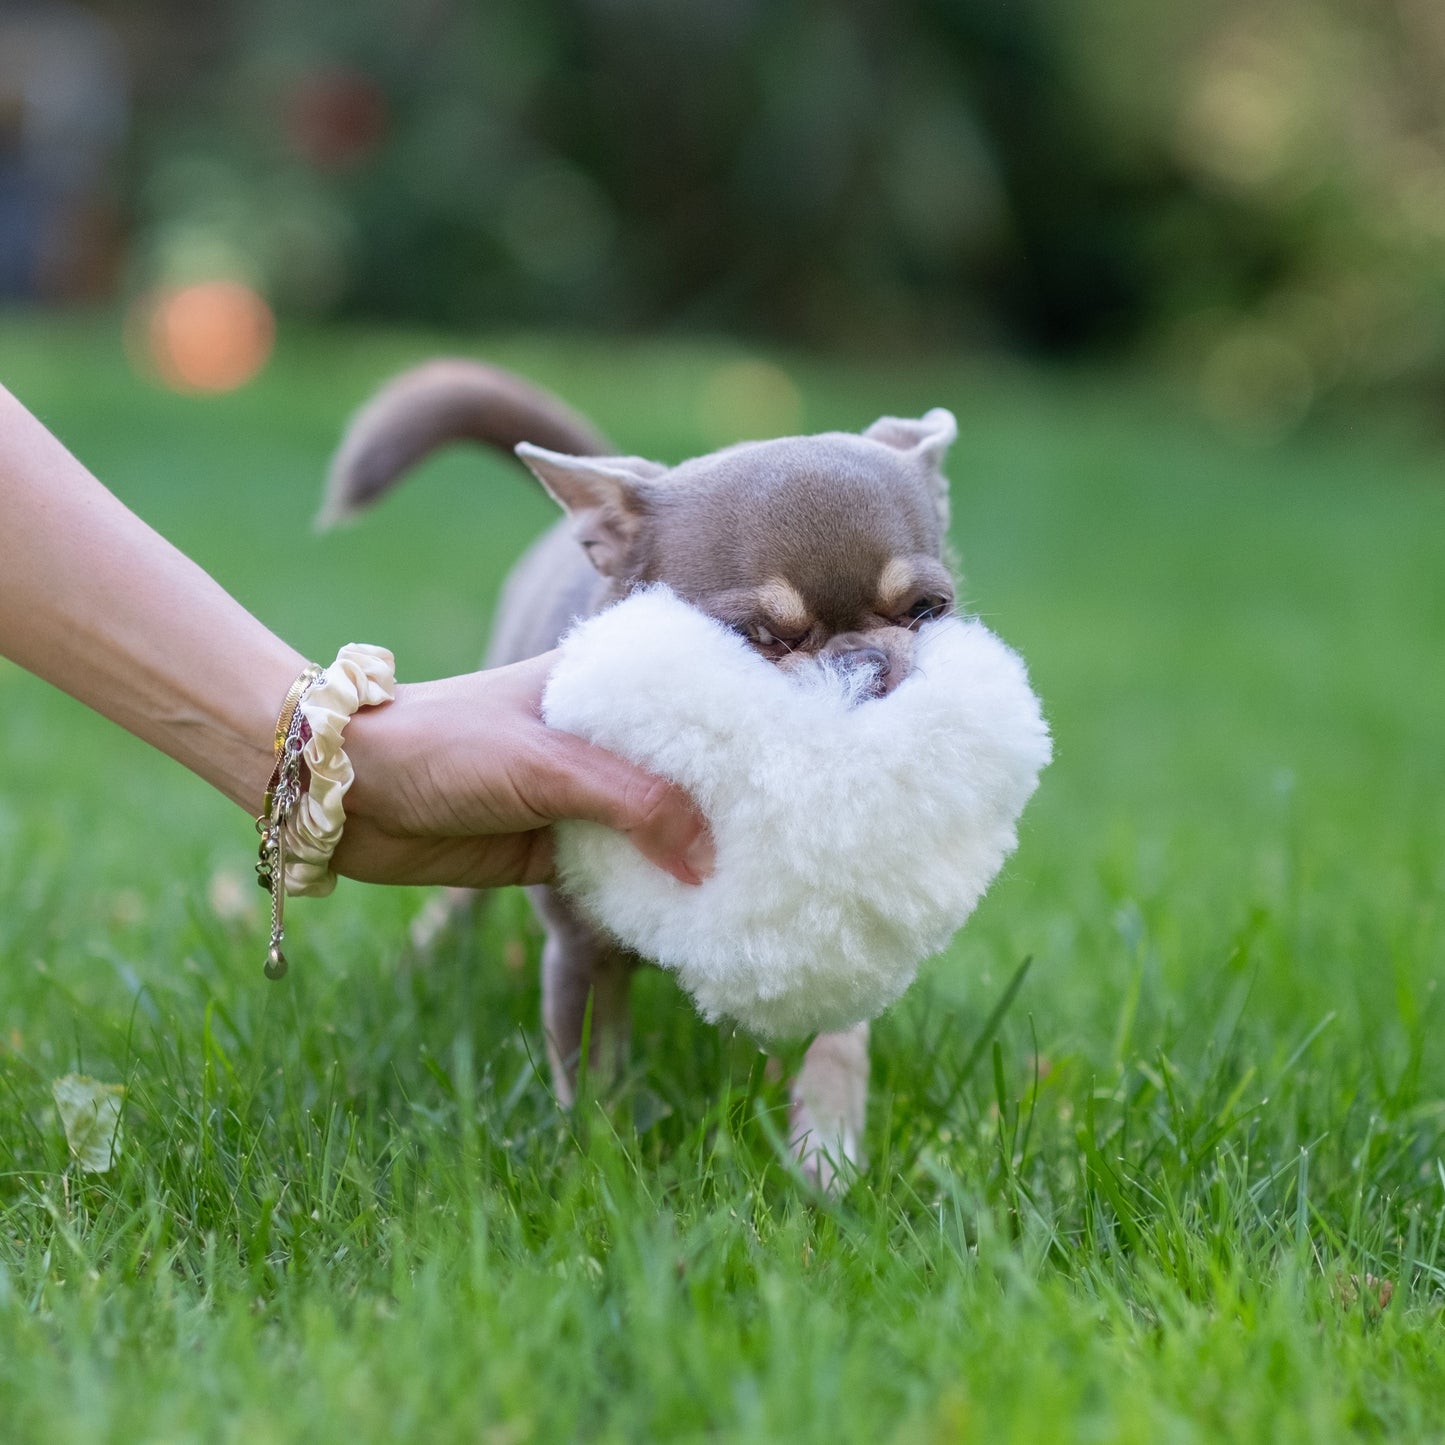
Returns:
<point x="828" y="547"/>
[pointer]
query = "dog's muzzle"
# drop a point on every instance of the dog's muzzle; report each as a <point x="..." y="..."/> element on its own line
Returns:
<point x="876" y="668"/>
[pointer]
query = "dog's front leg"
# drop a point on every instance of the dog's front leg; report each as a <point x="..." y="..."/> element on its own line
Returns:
<point x="830" y="1105"/>
<point x="579" y="966"/>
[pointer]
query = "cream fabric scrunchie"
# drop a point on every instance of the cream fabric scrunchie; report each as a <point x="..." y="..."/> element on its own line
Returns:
<point x="361" y="676"/>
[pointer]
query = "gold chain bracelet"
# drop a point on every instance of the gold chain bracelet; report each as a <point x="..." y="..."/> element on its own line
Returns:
<point x="281" y="797"/>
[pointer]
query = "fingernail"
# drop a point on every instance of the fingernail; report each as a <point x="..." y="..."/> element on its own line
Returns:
<point x="701" y="856"/>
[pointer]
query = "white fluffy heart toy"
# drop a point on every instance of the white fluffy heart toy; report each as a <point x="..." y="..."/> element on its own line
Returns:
<point x="854" y="837"/>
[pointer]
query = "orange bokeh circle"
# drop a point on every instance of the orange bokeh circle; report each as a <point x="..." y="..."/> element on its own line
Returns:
<point x="211" y="336"/>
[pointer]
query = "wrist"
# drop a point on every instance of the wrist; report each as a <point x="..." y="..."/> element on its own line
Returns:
<point x="362" y="677"/>
<point x="386" y="756"/>
<point x="244" y="757"/>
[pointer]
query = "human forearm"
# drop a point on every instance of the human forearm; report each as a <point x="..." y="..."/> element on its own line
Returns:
<point x="456" y="781"/>
<point x="95" y="602"/>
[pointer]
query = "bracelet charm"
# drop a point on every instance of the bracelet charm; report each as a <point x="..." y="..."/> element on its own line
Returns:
<point x="281" y="798"/>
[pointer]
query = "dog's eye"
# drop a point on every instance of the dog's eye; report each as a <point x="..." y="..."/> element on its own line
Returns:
<point x="760" y="635"/>
<point x="927" y="608"/>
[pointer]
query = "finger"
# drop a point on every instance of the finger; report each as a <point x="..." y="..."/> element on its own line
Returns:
<point x="579" y="780"/>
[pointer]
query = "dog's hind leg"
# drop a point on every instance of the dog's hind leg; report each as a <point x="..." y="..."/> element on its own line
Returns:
<point x="580" y="967"/>
<point x="830" y="1105"/>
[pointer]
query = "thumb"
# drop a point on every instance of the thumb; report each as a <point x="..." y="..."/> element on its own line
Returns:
<point x="578" y="780"/>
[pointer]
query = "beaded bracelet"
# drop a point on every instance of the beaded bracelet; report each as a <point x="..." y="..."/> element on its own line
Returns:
<point x="303" y="816"/>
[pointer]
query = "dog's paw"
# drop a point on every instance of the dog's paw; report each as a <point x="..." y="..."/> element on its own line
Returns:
<point x="829" y="1108"/>
<point x="829" y="1153"/>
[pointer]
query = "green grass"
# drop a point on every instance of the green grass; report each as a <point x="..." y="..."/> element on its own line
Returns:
<point x="346" y="1206"/>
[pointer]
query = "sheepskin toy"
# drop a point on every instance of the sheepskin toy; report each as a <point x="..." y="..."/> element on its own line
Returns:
<point x="854" y="835"/>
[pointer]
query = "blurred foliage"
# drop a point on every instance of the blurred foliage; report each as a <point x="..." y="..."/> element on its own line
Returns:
<point x="1252" y="189"/>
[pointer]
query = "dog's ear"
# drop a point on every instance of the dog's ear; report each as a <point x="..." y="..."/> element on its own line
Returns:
<point x="606" y="498"/>
<point x="928" y="439"/>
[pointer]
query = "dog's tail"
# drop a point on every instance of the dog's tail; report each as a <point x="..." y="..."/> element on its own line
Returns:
<point x="434" y="405"/>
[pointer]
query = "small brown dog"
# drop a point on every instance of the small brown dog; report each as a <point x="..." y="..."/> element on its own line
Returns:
<point x="829" y="545"/>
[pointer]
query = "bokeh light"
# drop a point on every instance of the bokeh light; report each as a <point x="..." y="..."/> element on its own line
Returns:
<point x="749" y="400"/>
<point x="1256" y="383"/>
<point x="336" y="118"/>
<point x="211" y="336"/>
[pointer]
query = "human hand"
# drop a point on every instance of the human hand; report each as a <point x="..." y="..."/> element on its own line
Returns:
<point x="457" y="782"/>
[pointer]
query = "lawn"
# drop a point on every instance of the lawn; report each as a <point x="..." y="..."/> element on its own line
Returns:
<point x="1183" y="1179"/>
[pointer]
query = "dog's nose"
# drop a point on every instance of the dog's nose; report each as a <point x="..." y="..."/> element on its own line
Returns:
<point x="870" y="657"/>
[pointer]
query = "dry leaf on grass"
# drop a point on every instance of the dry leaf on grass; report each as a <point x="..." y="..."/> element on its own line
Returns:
<point x="90" y="1116"/>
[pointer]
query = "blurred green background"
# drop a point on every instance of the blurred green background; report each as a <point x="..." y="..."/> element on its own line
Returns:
<point x="1250" y="193"/>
